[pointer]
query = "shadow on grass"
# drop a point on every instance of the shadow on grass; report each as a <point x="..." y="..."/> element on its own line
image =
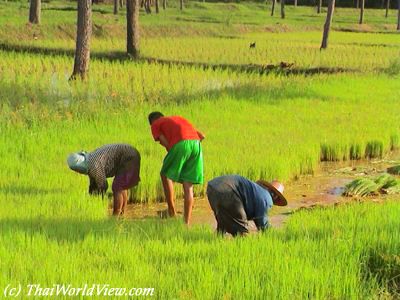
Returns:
<point x="29" y="191"/>
<point x="74" y="8"/>
<point x="282" y="68"/>
<point x="75" y="230"/>
<point x="385" y="269"/>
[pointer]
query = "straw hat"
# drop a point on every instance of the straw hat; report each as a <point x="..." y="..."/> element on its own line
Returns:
<point x="277" y="188"/>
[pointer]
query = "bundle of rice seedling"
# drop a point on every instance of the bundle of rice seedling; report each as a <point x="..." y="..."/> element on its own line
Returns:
<point x="392" y="190"/>
<point x="385" y="181"/>
<point x="394" y="170"/>
<point x="360" y="187"/>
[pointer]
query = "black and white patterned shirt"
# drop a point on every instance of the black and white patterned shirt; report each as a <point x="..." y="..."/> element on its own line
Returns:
<point x="108" y="161"/>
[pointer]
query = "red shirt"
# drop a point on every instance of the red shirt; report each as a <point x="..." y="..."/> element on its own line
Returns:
<point x="175" y="129"/>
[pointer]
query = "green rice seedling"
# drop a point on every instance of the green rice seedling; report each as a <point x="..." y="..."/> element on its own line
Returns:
<point x="373" y="149"/>
<point x="385" y="181"/>
<point x="363" y="187"/>
<point x="355" y="152"/>
<point x="394" y="170"/>
<point x="395" y="189"/>
<point x="360" y="187"/>
<point x="394" y="142"/>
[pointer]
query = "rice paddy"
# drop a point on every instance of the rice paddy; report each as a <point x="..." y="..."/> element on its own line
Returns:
<point x="273" y="125"/>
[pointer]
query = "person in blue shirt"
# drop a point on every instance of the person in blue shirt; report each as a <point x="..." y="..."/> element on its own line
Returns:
<point x="235" y="200"/>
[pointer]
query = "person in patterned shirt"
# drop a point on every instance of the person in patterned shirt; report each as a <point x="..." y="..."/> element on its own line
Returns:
<point x="119" y="160"/>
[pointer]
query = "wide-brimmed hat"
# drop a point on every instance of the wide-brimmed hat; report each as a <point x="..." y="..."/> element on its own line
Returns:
<point x="277" y="188"/>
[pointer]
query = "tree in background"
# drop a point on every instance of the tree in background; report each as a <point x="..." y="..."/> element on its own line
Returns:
<point x="116" y="7"/>
<point x="319" y="5"/>
<point x="157" y="7"/>
<point x="164" y="4"/>
<point x="34" y="11"/>
<point x="387" y="8"/>
<point x="147" y="6"/>
<point x="282" y="9"/>
<point x="273" y="8"/>
<point x="83" y="34"/>
<point x="327" y="26"/>
<point x="362" y="11"/>
<point x="398" y="14"/>
<point x="295" y="3"/>
<point x="181" y="4"/>
<point x="132" y="27"/>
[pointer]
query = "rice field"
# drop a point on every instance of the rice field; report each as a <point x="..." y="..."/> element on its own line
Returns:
<point x="260" y="126"/>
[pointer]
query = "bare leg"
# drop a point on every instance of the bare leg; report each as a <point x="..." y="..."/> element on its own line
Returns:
<point x="188" y="204"/>
<point x="118" y="202"/>
<point x="168" y="186"/>
<point x="125" y="202"/>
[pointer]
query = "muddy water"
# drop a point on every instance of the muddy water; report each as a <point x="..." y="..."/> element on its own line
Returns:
<point x="324" y="188"/>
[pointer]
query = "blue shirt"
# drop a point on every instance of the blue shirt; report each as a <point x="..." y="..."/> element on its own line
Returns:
<point x="256" y="200"/>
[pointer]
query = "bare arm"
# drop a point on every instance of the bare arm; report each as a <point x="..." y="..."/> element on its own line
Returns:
<point x="201" y="136"/>
<point x="163" y="141"/>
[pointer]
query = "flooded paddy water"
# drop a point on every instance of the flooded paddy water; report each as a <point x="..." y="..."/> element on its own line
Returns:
<point x="324" y="188"/>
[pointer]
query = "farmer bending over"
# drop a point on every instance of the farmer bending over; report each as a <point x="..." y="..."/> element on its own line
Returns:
<point x="235" y="200"/>
<point x="119" y="160"/>
<point x="184" y="160"/>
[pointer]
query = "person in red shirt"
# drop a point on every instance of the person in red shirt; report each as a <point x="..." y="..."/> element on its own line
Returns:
<point x="184" y="160"/>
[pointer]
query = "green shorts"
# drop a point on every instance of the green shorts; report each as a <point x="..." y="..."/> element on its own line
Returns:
<point x="184" y="162"/>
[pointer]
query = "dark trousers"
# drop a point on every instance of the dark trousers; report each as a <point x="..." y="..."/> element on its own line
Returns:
<point x="228" y="210"/>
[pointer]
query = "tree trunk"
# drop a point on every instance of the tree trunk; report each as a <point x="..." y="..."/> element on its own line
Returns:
<point x="273" y="8"/>
<point x="387" y="8"/>
<point x="327" y="26"/>
<point x="116" y="7"/>
<point x="164" y="4"/>
<point x="282" y="9"/>
<point x="147" y="6"/>
<point x="358" y="4"/>
<point x="132" y="27"/>
<point x="398" y="14"/>
<point x="362" y="12"/>
<point x="83" y="34"/>
<point x="181" y="4"/>
<point x="121" y="3"/>
<point x="34" y="11"/>
<point x="295" y="3"/>
<point x="157" y="8"/>
<point x="319" y="6"/>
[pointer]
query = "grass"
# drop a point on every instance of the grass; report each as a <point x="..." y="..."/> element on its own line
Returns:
<point x="268" y="126"/>
<point x="333" y="249"/>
